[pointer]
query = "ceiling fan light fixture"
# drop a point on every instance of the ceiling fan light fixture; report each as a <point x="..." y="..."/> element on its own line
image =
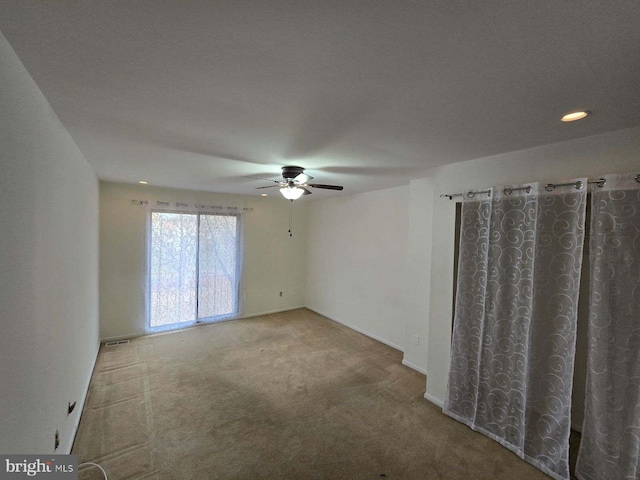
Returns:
<point x="291" y="193"/>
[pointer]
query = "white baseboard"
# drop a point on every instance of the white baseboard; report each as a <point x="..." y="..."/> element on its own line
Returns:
<point x="359" y="330"/>
<point x="413" y="366"/>
<point x="269" y="312"/>
<point x="144" y="334"/>
<point x="434" y="400"/>
<point x="80" y="407"/>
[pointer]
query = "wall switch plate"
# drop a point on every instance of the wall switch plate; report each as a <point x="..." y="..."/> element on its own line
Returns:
<point x="416" y="340"/>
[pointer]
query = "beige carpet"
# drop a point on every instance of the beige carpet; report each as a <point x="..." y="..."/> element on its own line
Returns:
<point x="285" y="396"/>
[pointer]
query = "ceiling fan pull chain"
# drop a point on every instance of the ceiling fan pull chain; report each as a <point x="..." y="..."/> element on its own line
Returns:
<point x="290" y="218"/>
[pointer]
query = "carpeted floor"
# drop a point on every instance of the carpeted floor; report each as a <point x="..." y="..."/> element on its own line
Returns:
<point x="291" y="395"/>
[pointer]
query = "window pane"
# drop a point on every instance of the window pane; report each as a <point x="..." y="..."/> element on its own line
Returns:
<point x="173" y="268"/>
<point x="218" y="265"/>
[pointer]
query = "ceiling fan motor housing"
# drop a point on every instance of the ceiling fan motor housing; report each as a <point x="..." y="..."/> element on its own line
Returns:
<point x="291" y="172"/>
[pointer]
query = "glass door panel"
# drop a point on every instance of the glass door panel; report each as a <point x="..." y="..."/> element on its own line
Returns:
<point x="218" y="266"/>
<point x="173" y="285"/>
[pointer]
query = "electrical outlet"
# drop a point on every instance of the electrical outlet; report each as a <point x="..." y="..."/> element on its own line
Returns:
<point x="416" y="340"/>
<point x="57" y="441"/>
<point x="280" y="293"/>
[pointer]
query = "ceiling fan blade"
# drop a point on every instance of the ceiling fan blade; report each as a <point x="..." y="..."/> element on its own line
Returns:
<point x="306" y="191"/>
<point x="328" y="187"/>
<point x="303" y="178"/>
<point x="263" y="179"/>
<point x="268" y="186"/>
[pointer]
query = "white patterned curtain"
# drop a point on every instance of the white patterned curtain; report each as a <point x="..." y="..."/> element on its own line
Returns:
<point x="610" y="447"/>
<point x="514" y="332"/>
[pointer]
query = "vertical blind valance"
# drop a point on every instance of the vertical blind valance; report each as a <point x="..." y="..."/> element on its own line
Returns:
<point x="190" y="207"/>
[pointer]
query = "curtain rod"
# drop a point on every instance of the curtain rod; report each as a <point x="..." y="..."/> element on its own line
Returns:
<point x="549" y="187"/>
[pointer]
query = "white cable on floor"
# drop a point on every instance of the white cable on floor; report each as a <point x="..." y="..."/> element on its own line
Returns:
<point x="95" y="465"/>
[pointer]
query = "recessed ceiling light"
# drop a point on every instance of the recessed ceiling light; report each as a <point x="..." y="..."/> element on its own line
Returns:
<point x="263" y="194"/>
<point x="573" y="116"/>
<point x="142" y="182"/>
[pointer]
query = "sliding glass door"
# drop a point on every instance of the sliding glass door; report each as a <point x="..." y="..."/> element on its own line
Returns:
<point x="217" y="266"/>
<point x="193" y="268"/>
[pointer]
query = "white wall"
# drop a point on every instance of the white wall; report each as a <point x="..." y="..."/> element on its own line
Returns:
<point x="48" y="268"/>
<point x="418" y="276"/>
<point x="613" y="152"/>
<point x="356" y="262"/>
<point x="273" y="261"/>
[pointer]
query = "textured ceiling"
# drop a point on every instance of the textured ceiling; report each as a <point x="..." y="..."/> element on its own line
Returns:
<point x="367" y="94"/>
